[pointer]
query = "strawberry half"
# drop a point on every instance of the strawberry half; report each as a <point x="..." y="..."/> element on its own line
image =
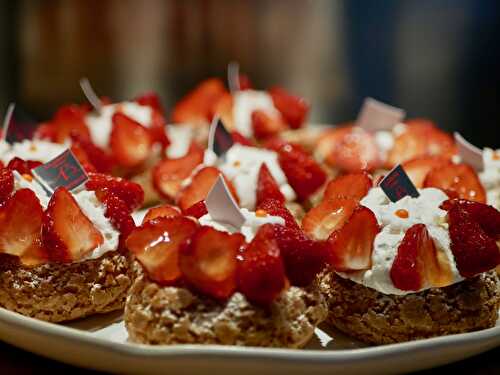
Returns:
<point x="168" y="174"/>
<point x="241" y="139"/>
<point x="356" y="151"/>
<point x="265" y="126"/>
<point x="130" y="141"/>
<point x="417" y="262"/>
<point x="267" y="188"/>
<point x="208" y="261"/>
<point x="351" y="246"/>
<point x="474" y="251"/>
<point x="261" y="272"/>
<point x="353" y="185"/>
<point x="276" y="208"/>
<point x="82" y="157"/>
<point x="197" y="210"/>
<point x="67" y="234"/>
<point x="457" y="181"/>
<point x="69" y="120"/>
<point x="20" y="224"/>
<point x="330" y="215"/>
<point x="165" y="210"/>
<point x="294" y="109"/>
<point x="418" y="169"/>
<point x="97" y="157"/>
<point x="156" y="245"/>
<point x="23" y="166"/>
<point x="6" y="184"/>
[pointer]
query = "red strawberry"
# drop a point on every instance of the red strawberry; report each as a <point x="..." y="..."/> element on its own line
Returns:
<point x="275" y="143"/>
<point x="151" y="99"/>
<point x="6" y="184"/>
<point x="473" y="249"/>
<point x="224" y="110"/>
<point x="241" y="139"/>
<point x="23" y="166"/>
<point x="168" y="174"/>
<point x="329" y="141"/>
<point x="276" y="208"/>
<point x="97" y="157"/>
<point x="356" y="151"/>
<point x="303" y="257"/>
<point x="118" y="213"/>
<point x="417" y="169"/>
<point x="265" y="126"/>
<point x="208" y="261"/>
<point x="353" y="185"/>
<point x="351" y="246"/>
<point x="327" y="217"/>
<point x="67" y="233"/>
<point x="294" y="109"/>
<point x="156" y="245"/>
<point x="303" y="173"/>
<point x="417" y="263"/>
<point x="129" y="192"/>
<point x="165" y="210"/>
<point x="130" y="141"/>
<point x="267" y="188"/>
<point x="46" y="131"/>
<point x="20" y="223"/>
<point x="81" y="155"/>
<point x="458" y="181"/>
<point x="261" y="272"/>
<point x="197" y="210"/>
<point x="69" y="120"/>
<point x="157" y="130"/>
<point x="245" y="83"/>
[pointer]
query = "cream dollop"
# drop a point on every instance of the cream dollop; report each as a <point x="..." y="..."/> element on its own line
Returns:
<point x="36" y="149"/>
<point x="425" y="210"/>
<point x="180" y="136"/>
<point x="249" y="228"/>
<point x="490" y="176"/>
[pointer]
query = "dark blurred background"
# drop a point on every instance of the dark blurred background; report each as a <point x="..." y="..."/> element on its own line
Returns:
<point x="435" y="58"/>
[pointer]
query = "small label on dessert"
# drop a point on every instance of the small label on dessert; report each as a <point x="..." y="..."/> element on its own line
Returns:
<point x="64" y="170"/>
<point x="397" y="185"/>
<point x="90" y="94"/>
<point x="375" y="115"/>
<point x="469" y="153"/>
<point x="219" y="139"/>
<point x="233" y="76"/>
<point x="17" y="125"/>
<point x="221" y="205"/>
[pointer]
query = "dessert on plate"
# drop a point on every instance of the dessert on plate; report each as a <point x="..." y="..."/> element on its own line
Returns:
<point x="62" y="256"/>
<point x="416" y="268"/>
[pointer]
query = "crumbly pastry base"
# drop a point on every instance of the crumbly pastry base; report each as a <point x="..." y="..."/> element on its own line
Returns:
<point x="159" y="315"/>
<point x="375" y="318"/>
<point x="57" y="292"/>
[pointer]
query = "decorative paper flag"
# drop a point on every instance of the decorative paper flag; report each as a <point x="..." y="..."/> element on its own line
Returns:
<point x="90" y="94"/>
<point x="64" y="170"/>
<point x="233" y="76"/>
<point x="17" y="125"/>
<point x="221" y="205"/>
<point x="219" y="139"/>
<point x="469" y="153"/>
<point x="397" y="185"/>
<point x="375" y="115"/>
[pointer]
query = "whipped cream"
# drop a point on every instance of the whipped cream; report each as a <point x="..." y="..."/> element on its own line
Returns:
<point x="241" y="166"/>
<point x="180" y="136"/>
<point x="100" y="124"/>
<point x="490" y="176"/>
<point x="425" y="210"/>
<point x="248" y="229"/>
<point x="90" y="206"/>
<point x="246" y="102"/>
<point x="37" y="149"/>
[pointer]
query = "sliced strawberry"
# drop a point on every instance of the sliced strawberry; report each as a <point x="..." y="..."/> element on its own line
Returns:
<point x="245" y="83"/>
<point x="267" y="188"/>
<point x="458" y="181"/>
<point x="294" y="109"/>
<point x="330" y="215"/>
<point x="276" y="208"/>
<point x="165" y="210"/>
<point x="351" y="246"/>
<point x="303" y="257"/>
<point x="303" y="173"/>
<point x="353" y="185"/>
<point x="274" y="143"/>
<point x="329" y="141"/>
<point x="241" y="139"/>
<point x="356" y="150"/>
<point x="68" y="234"/>
<point x="20" y="224"/>
<point x="82" y="157"/>
<point x="129" y="192"/>
<point x="417" y="169"/>
<point x="6" y="184"/>
<point x="486" y="216"/>
<point x="157" y="130"/>
<point x="197" y="210"/>
<point x="474" y="251"/>
<point x="208" y="261"/>
<point x="168" y="174"/>
<point x="261" y="272"/>
<point x="130" y="141"/>
<point x="156" y="245"/>
<point x="265" y="126"/>
<point x="69" y="120"/>
<point x="97" y="157"/>
<point x="46" y="131"/>
<point x="197" y="107"/>
<point x="224" y="110"/>
<point x="417" y="262"/>
<point x="151" y="99"/>
<point x="118" y="212"/>
<point x="23" y="166"/>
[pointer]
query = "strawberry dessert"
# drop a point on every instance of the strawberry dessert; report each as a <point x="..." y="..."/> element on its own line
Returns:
<point x="411" y="269"/>
<point x="204" y="281"/>
<point x="62" y="255"/>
